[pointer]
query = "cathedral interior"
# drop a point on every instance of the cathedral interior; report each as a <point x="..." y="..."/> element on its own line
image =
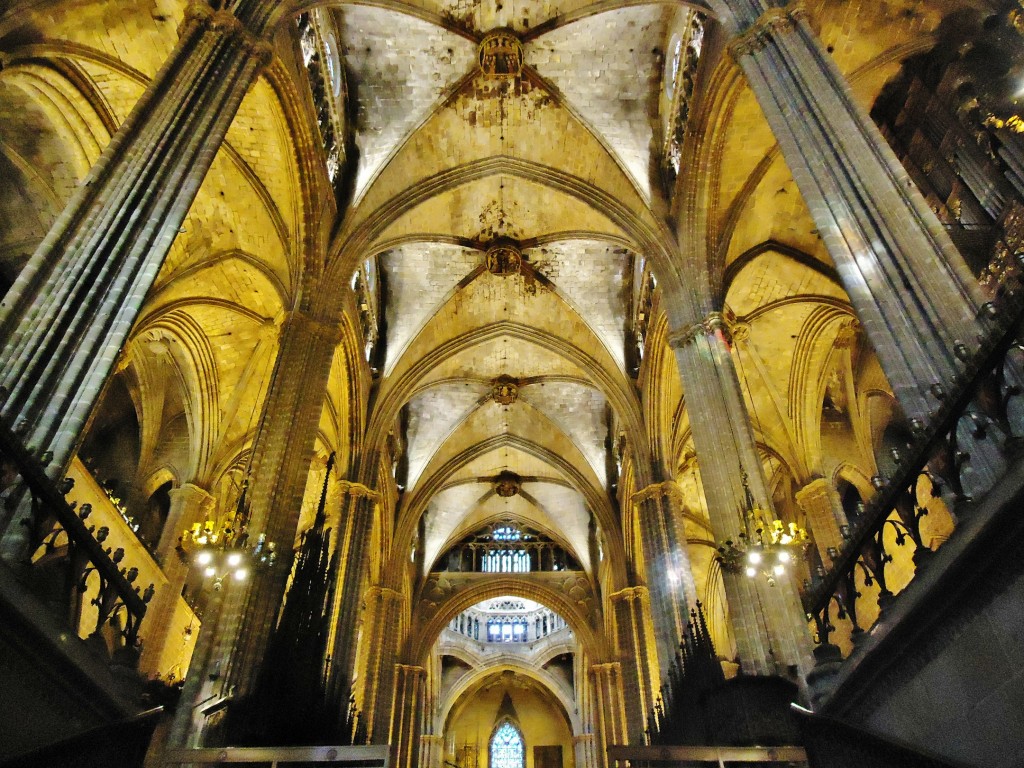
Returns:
<point x="512" y="383"/>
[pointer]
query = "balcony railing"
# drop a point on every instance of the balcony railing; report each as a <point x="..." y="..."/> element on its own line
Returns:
<point x="957" y="458"/>
<point x="60" y="556"/>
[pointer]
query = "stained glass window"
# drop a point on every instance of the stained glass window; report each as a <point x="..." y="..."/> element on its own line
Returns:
<point x="507" y="747"/>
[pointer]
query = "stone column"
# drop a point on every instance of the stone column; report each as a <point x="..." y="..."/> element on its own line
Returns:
<point x="355" y="521"/>
<point x="768" y="622"/>
<point x="911" y="290"/>
<point x="65" y="319"/>
<point x="589" y="747"/>
<point x="820" y="502"/>
<point x="202" y="684"/>
<point x="610" y="709"/>
<point x="637" y="653"/>
<point x="584" y="749"/>
<point x="383" y="606"/>
<point x="431" y="751"/>
<point x="282" y="452"/>
<point x="189" y="504"/>
<point x="408" y="715"/>
<point x="659" y="511"/>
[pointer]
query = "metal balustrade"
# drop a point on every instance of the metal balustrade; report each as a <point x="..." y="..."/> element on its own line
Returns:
<point x="59" y="555"/>
<point x="983" y="416"/>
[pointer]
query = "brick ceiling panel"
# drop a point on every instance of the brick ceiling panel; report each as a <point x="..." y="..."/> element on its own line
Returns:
<point x="396" y="84"/>
<point x="608" y="67"/>
<point x="419" y="278"/>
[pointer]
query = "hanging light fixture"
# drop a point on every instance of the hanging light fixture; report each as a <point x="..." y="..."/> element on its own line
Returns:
<point x="222" y="550"/>
<point x="765" y="548"/>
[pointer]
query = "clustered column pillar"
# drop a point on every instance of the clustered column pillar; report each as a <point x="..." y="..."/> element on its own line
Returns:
<point x="384" y="606"/>
<point x="282" y="453"/>
<point x="659" y="510"/>
<point x="431" y="750"/>
<point x="912" y="292"/>
<point x="635" y="646"/>
<point x="610" y="707"/>
<point x="355" y="521"/>
<point x="819" y="500"/>
<point x="65" y="319"/>
<point x="408" y="714"/>
<point x="768" y="622"/>
<point x="589" y="751"/>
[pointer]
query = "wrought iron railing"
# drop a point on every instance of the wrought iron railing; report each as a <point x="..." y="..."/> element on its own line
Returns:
<point x="982" y="417"/>
<point x="59" y="554"/>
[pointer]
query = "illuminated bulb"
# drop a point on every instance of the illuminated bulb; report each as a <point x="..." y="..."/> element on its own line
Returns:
<point x="783" y="557"/>
<point x="754" y="558"/>
<point x="204" y="558"/>
<point x="210" y="571"/>
<point x="241" y="574"/>
<point x="234" y="559"/>
<point x="779" y="569"/>
<point x="751" y="571"/>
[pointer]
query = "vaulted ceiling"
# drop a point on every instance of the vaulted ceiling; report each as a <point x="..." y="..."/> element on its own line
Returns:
<point x="564" y="159"/>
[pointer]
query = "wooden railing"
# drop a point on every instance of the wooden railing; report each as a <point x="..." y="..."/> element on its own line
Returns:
<point x="656" y="757"/>
<point x="60" y="556"/>
<point x="271" y="757"/>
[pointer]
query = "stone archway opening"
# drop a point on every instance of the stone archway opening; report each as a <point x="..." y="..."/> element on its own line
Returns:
<point x="507" y="719"/>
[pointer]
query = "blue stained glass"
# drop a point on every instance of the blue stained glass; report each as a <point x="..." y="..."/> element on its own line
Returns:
<point x="507" y="748"/>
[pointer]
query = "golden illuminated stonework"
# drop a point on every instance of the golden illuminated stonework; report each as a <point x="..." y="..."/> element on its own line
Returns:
<point x="501" y="54"/>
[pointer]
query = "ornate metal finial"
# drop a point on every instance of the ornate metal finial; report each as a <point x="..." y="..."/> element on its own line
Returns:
<point x="501" y="54"/>
<point x="507" y="484"/>
<point x="504" y="390"/>
<point x="504" y="258"/>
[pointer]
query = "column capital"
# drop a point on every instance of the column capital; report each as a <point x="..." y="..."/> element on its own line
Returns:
<point x="815" y="489"/>
<point x="303" y="322"/>
<point x="774" y="20"/>
<point x="629" y="594"/>
<point x="848" y="333"/>
<point x="713" y="322"/>
<point x="384" y="594"/>
<point x="191" y="492"/>
<point x="199" y="13"/>
<point x="358" y="491"/>
<point x="669" y="489"/>
<point x="607" y="668"/>
<point x="410" y="670"/>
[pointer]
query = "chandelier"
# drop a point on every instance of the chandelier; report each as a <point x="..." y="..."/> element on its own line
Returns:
<point x="764" y="548"/>
<point x="223" y="551"/>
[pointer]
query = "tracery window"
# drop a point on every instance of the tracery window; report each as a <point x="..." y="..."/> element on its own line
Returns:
<point x="507" y="749"/>
<point x="326" y="82"/>
<point x="506" y="561"/>
<point x="506" y="547"/>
